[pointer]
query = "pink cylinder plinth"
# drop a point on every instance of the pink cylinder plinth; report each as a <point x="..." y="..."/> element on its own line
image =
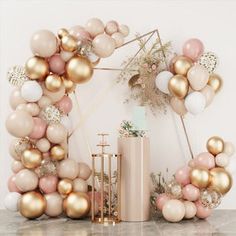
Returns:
<point x="135" y="191"/>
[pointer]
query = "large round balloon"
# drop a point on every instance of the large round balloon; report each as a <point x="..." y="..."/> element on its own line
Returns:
<point x="162" y="81"/>
<point x="195" y="103"/>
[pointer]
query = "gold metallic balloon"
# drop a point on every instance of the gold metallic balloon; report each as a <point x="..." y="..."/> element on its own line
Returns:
<point x="65" y="186"/>
<point x="215" y="82"/>
<point x="68" y="43"/>
<point x="215" y="145"/>
<point x="31" y="158"/>
<point x="79" y="69"/>
<point x="220" y="180"/>
<point x="62" y="32"/>
<point x="57" y="153"/>
<point x="32" y="205"/>
<point x="76" y="205"/>
<point x="69" y="85"/>
<point x="200" y="177"/>
<point x="36" y="68"/>
<point x="178" y="86"/>
<point x="181" y="65"/>
<point x="53" y="83"/>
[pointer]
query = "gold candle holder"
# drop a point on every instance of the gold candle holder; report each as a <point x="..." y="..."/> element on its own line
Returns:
<point x="110" y="194"/>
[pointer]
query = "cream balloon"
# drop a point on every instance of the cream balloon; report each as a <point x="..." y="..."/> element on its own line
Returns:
<point x="16" y="166"/>
<point x="16" y="98"/>
<point x="209" y="94"/>
<point x="54" y="204"/>
<point x="124" y="29"/>
<point x="195" y="103"/>
<point x="162" y="81"/>
<point x="31" y="91"/>
<point x="44" y="101"/>
<point x="33" y="109"/>
<point x="229" y="149"/>
<point x="173" y="210"/>
<point x="80" y="185"/>
<point x="178" y="106"/>
<point x="43" y="145"/>
<point x="67" y="123"/>
<point x="26" y="180"/>
<point x="111" y="27"/>
<point x="54" y="96"/>
<point x="119" y="39"/>
<point x="56" y="133"/>
<point x="222" y="160"/>
<point x="84" y="171"/>
<point x="43" y="43"/>
<point x="12" y="149"/>
<point x="68" y="168"/>
<point x="103" y="45"/>
<point x="190" y="209"/>
<point x="19" y="124"/>
<point x="66" y="56"/>
<point x="11" y="201"/>
<point x="94" y="26"/>
<point x="198" y="77"/>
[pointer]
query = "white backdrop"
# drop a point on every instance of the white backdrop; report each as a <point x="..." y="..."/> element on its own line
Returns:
<point x="211" y="21"/>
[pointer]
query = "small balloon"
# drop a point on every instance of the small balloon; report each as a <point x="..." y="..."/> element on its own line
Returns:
<point x="53" y="83"/>
<point x="31" y="158"/>
<point x="190" y="192"/>
<point x="80" y="185"/>
<point x="54" y="204"/>
<point x="80" y="33"/>
<point x="215" y="145"/>
<point x="57" y="153"/>
<point x="222" y="160"/>
<point x="39" y="128"/>
<point x="43" y="145"/>
<point x="65" y="186"/>
<point x="56" y="133"/>
<point x="69" y="43"/>
<point x="215" y="82"/>
<point x="57" y="64"/>
<point x="190" y="210"/>
<point x="65" y="104"/>
<point x="182" y="175"/>
<point x="62" y="32"/>
<point x="48" y="184"/>
<point x="119" y="39"/>
<point x="84" y="171"/>
<point x="111" y="27"/>
<point x="124" y="29"/>
<point x="68" y="168"/>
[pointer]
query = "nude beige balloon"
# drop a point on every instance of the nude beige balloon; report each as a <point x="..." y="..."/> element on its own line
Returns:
<point x="178" y="106"/>
<point x="103" y="45"/>
<point x="209" y="94"/>
<point x="16" y="166"/>
<point x="68" y="168"/>
<point x="190" y="210"/>
<point x="84" y="171"/>
<point x="54" y="96"/>
<point x="94" y="26"/>
<point x="119" y="39"/>
<point x="12" y="150"/>
<point x="54" y="204"/>
<point x="33" y="109"/>
<point x="19" y="124"/>
<point x="43" y="145"/>
<point x="80" y="185"/>
<point x="26" y="180"/>
<point x="16" y="99"/>
<point x="229" y="149"/>
<point x="56" y="133"/>
<point x="44" y="101"/>
<point x="124" y="29"/>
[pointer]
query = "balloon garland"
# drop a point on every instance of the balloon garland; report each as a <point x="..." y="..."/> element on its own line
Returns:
<point x="191" y="81"/>
<point x="198" y="187"/>
<point x="45" y="181"/>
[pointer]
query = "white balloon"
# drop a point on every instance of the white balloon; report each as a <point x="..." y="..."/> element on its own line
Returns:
<point x="31" y="91"/>
<point x="195" y="103"/>
<point x="229" y="149"/>
<point x="66" y="121"/>
<point x="162" y="81"/>
<point x="222" y="160"/>
<point x="11" y="201"/>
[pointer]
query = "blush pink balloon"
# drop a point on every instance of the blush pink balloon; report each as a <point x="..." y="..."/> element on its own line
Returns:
<point x="39" y="128"/>
<point x="56" y="64"/>
<point x="48" y="184"/>
<point x="65" y="104"/>
<point x="161" y="200"/>
<point x="202" y="212"/>
<point x="80" y="33"/>
<point x="193" y="48"/>
<point x="11" y="185"/>
<point x="190" y="192"/>
<point x="205" y="160"/>
<point x="191" y="163"/>
<point x="182" y="175"/>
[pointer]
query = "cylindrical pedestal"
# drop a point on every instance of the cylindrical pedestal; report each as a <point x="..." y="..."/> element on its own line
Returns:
<point x="135" y="191"/>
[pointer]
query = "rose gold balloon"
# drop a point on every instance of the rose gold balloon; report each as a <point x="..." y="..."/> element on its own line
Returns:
<point x="178" y="86"/>
<point x="215" y="145"/>
<point x="119" y="39"/>
<point x="215" y="82"/>
<point x="43" y="43"/>
<point x="48" y="184"/>
<point x="77" y="205"/>
<point x="12" y="185"/>
<point x="53" y="83"/>
<point x="32" y="205"/>
<point x="94" y="26"/>
<point x="79" y="69"/>
<point x="36" y="68"/>
<point x="57" y="153"/>
<point x="80" y="185"/>
<point x="43" y="145"/>
<point x="26" y="180"/>
<point x="103" y="45"/>
<point x="84" y="171"/>
<point x="16" y="98"/>
<point x="178" y="106"/>
<point x="44" y="101"/>
<point x="31" y="158"/>
<point x="33" y="109"/>
<point x="56" y="133"/>
<point x="54" y="204"/>
<point x="65" y="186"/>
<point x="181" y="65"/>
<point x="68" y="168"/>
<point x="54" y="96"/>
<point x="19" y="124"/>
<point x="16" y="166"/>
<point x="209" y="94"/>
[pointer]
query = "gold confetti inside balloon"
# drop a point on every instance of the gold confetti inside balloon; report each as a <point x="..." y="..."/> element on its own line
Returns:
<point x="209" y="61"/>
<point x="200" y="177"/>
<point x="210" y="198"/>
<point x="48" y="167"/>
<point x="181" y="65"/>
<point x="16" y="76"/>
<point x="215" y="82"/>
<point x="178" y="86"/>
<point x="174" y="189"/>
<point x="220" y="180"/>
<point x="21" y="145"/>
<point x="51" y="114"/>
<point x="65" y="186"/>
<point x="215" y="145"/>
<point x="57" y="153"/>
<point x="79" y="69"/>
<point x="76" y="205"/>
<point x="31" y="158"/>
<point x="32" y="205"/>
